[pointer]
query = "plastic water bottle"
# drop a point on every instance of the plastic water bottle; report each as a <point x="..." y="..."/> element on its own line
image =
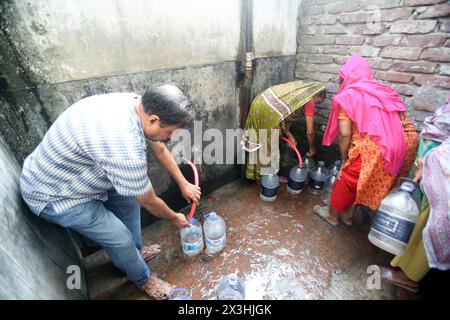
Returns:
<point x="192" y="238"/>
<point x="336" y="166"/>
<point x="179" y="294"/>
<point x="309" y="164"/>
<point x="231" y="287"/>
<point x="297" y="180"/>
<point x="328" y="186"/>
<point x="395" y="219"/>
<point x="317" y="179"/>
<point x="269" y="187"/>
<point x="215" y="233"/>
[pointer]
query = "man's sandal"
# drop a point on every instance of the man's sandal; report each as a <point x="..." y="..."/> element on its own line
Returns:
<point x="156" y="288"/>
<point x="151" y="251"/>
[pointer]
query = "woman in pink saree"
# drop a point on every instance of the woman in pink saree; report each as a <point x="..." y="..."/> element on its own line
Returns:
<point x="377" y="141"/>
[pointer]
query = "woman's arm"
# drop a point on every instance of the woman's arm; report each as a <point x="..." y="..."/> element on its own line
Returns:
<point x="310" y="135"/>
<point x="345" y="135"/>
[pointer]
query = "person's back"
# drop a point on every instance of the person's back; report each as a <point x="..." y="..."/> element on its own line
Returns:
<point x="91" y="139"/>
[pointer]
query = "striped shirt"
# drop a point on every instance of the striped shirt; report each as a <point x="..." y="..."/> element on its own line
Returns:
<point x="95" y="145"/>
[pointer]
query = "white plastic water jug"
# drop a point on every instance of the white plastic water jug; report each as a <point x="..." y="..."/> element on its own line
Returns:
<point x="395" y="220"/>
<point x="215" y="233"/>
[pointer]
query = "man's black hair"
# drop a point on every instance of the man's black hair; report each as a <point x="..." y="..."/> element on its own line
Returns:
<point x="323" y="94"/>
<point x="169" y="102"/>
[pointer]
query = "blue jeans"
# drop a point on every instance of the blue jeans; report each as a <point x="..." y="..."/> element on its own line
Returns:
<point x="114" y="224"/>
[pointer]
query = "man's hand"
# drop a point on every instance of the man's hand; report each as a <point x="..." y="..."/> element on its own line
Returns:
<point x="190" y="192"/>
<point x="180" y="221"/>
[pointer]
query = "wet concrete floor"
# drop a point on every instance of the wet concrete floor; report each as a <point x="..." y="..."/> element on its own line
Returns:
<point x="282" y="248"/>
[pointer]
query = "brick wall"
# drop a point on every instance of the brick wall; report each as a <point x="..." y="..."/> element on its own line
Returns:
<point x="405" y="41"/>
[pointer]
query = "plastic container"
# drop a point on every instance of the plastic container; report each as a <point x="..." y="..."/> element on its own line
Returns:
<point x="215" y="233"/>
<point x="328" y="186"/>
<point x="269" y="187"/>
<point x="192" y="238"/>
<point x="179" y="294"/>
<point x="296" y="180"/>
<point x="395" y="219"/>
<point x="336" y="166"/>
<point x="231" y="287"/>
<point x="309" y="164"/>
<point x="318" y="178"/>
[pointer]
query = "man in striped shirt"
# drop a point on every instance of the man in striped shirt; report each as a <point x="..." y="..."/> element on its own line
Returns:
<point x="89" y="173"/>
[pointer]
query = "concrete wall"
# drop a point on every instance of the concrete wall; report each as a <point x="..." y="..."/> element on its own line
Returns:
<point x="54" y="53"/>
<point x="405" y="42"/>
<point x="34" y="255"/>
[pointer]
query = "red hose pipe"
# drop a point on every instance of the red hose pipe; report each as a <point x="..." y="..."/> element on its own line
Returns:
<point x="300" y="161"/>
<point x="196" y="179"/>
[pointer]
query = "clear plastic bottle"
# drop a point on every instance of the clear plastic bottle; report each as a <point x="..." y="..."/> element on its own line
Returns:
<point x="269" y="187"/>
<point x="317" y="179"/>
<point x="231" y="287"/>
<point x="192" y="238"/>
<point x="179" y="294"/>
<point x="336" y="166"/>
<point x="215" y="233"/>
<point x="309" y="164"/>
<point x="328" y="186"/>
<point x="395" y="220"/>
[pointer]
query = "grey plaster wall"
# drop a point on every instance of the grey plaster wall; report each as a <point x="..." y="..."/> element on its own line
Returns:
<point x="34" y="255"/>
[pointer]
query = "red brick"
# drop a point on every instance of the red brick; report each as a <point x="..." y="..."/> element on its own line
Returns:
<point x="324" y="1"/>
<point x="416" y="66"/>
<point x="313" y="11"/>
<point x="354" y="17"/>
<point x="378" y="63"/>
<point x="307" y="21"/>
<point x="346" y="6"/>
<point x="394" y="14"/>
<point x="365" y="51"/>
<point x="367" y="29"/>
<point x="394" y="76"/>
<point x="413" y="26"/>
<point x="424" y="41"/>
<point x="333" y="68"/>
<point x="315" y="40"/>
<point x="410" y="53"/>
<point x="445" y="69"/>
<point x="335" y="29"/>
<point x="435" y="11"/>
<point x="444" y="26"/>
<point x="409" y="3"/>
<point x="381" y="4"/>
<point x="327" y="19"/>
<point x="434" y="80"/>
<point x="340" y="59"/>
<point x="305" y="67"/>
<point x="319" y="58"/>
<point x="385" y="40"/>
<point x="350" y="40"/>
<point x="405" y="89"/>
<point x="342" y="50"/>
<point x="437" y="54"/>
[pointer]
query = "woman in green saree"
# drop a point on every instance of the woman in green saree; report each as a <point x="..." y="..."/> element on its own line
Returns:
<point x="277" y="108"/>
